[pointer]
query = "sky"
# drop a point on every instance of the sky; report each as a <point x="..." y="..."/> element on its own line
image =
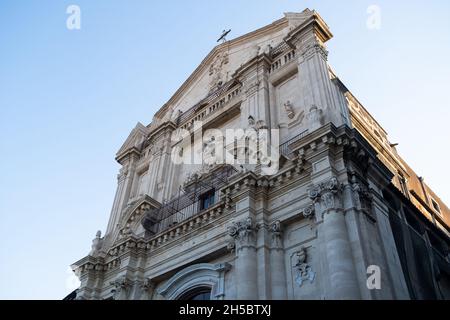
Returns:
<point x="70" y="97"/>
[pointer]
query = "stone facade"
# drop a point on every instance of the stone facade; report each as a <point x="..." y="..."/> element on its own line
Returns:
<point x="311" y="229"/>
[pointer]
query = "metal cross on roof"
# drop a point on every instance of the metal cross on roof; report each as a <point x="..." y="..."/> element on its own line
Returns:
<point x="224" y="34"/>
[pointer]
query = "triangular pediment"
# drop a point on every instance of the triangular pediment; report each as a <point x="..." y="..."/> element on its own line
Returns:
<point x="134" y="140"/>
<point x="223" y="60"/>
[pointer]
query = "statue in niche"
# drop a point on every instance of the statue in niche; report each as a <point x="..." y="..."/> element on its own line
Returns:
<point x="289" y="109"/>
<point x="303" y="270"/>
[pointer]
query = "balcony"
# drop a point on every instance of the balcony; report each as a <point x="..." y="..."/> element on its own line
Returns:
<point x="199" y="195"/>
<point x="217" y="101"/>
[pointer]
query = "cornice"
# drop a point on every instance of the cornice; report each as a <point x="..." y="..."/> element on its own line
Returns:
<point x="163" y="126"/>
<point x="315" y="22"/>
<point x="259" y="60"/>
<point x="129" y="153"/>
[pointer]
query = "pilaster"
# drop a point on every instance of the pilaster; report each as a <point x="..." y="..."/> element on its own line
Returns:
<point x="315" y="85"/>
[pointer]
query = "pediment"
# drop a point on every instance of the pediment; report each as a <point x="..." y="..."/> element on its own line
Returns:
<point x="134" y="140"/>
<point x="224" y="59"/>
<point x="132" y="216"/>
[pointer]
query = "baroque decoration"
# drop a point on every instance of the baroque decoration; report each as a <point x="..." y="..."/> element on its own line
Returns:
<point x="289" y="109"/>
<point x="303" y="271"/>
<point x="325" y="193"/>
<point x="121" y="287"/>
<point x="216" y="72"/>
<point x="243" y="233"/>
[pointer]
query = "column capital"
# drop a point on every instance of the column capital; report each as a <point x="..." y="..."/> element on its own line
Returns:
<point x="276" y="234"/>
<point x="121" y="287"/>
<point x="326" y="194"/>
<point x="147" y="286"/>
<point x="243" y="233"/>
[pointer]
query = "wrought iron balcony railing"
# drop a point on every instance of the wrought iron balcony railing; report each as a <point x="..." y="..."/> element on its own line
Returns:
<point x="201" y="193"/>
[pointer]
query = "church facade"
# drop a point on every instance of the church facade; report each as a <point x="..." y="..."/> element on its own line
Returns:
<point x="263" y="177"/>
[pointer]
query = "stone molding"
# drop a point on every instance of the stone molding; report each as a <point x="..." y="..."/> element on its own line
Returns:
<point x="202" y="274"/>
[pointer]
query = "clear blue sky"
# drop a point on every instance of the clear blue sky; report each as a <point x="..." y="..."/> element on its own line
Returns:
<point x="68" y="99"/>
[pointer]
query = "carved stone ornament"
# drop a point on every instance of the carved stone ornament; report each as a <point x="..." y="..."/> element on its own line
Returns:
<point x="308" y="212"/>
<point x="289" y="109"/>
<point x="121" y="286"/>
<point x="231" y="246"/>
<point x="122" y="174"/>
<point x="96" y="244"/>
<point x="147" y="285"/>
<point x="243" y="233"/>
<point x="303" y="271"/>
<point x="322" y="188"/>
<point x="362" y="197"/>
<point x="325" y="193"/>
<point x="315" y="116"/>
<point x="275" y="230"/>
<point x="312" y="48"/>
<point x="216" y="70"/>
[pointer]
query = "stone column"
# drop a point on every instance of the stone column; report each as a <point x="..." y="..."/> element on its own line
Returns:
<point x="341" y="270"/>
<point x="244" y="236"/>
<point x="277" y="265"/>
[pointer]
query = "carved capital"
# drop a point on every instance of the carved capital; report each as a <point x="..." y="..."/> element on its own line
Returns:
<point x="121" y="288"/>
<point x="311" y="49"/>
<point x="362" y="198"/>
<point x="326" y="194"/>
<point x="276" y="233"/>
<point x="251" y="88"/>
<point x="243" y="233"/>
<point x="147" y="285"/>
